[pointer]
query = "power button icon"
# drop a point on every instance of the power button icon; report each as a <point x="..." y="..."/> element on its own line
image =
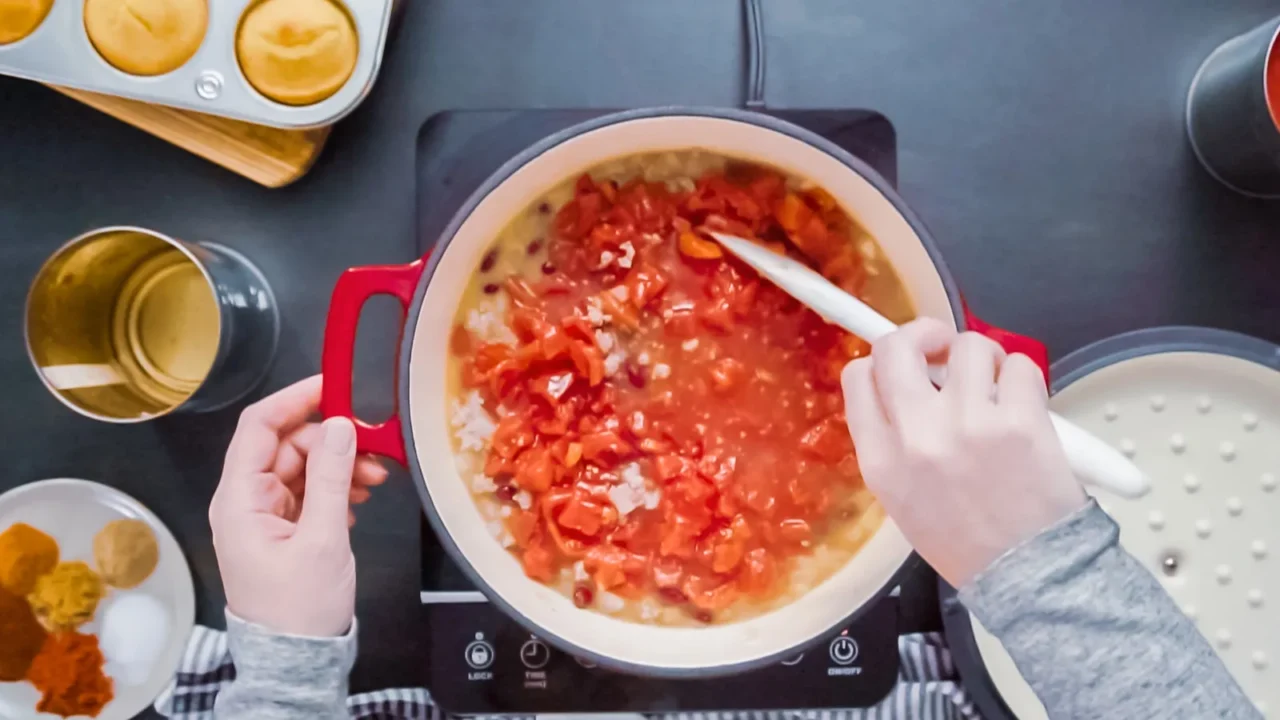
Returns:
<point x="478" y="654"/>
<point x="843" y="650"/>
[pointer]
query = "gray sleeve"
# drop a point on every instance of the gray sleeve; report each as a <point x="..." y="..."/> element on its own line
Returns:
<point x="1094" y="633"/>
<point x="283" y="677"/>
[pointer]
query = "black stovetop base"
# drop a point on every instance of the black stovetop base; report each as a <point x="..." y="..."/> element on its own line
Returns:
<point x="481" y="661"/>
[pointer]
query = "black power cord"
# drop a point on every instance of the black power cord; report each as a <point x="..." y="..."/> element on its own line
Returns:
<point x="756" y="55"/>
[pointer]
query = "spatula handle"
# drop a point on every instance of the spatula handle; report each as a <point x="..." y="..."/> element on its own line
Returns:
<point x="1096" y="463"/>
<point x="1093" y="461"/>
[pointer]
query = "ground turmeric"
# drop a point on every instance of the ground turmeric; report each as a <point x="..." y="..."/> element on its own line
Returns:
<point x="67" y="597"/>
<point x="25" y="555"/>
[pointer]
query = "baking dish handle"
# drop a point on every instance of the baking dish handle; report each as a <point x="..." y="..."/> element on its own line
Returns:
<point x="1011" y="342"/>
<point x="1091" y="459"/>
<point x="354" y="288"/>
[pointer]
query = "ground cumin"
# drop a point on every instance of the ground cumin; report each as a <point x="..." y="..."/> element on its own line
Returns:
<point x="68" y="673"/>
<point x="126" y="552"/>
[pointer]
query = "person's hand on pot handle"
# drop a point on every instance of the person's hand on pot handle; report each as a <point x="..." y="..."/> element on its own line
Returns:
<point x="970" y="471"/>
<point x="281" y="515"/>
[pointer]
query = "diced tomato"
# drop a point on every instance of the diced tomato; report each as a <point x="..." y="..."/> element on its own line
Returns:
<point x="538" y="561"/>
<point x="709" y="592"/>
<point x="692" y="488"/>
<point x="758" y="572"/>
<point x="726" y="505"/>
<point x="828" y="440"/>
<point x="572" y="454"/>
<point x="622" y="313"/>
<point x="667" y="572"/>
<point x="725" y="550"/>
<point x="569" y="546"/>
<point x="535" y="470"/>
<point x="577" y="328"/>
<point x="727" y="374"/>
<point x="528" y="323"/>
<point x="605" y="447"/>
<point x="497" y="467"/>
<point x="588" y="362"/>
<point x="563" y="416"/>
<point x="699" y="248"/>
<point x="668" y="466"/>
<point x="579" y="215"/>
<point x="486" y="365"/>
<point x="766" y="188"/>
<point x="821" y="199"/>
<point x="460" y="341"/>
<point x="718" y="315"/>
<point x="522" y="524"/>
<point x="724" y="391"/>
<point x="717" y="468"/>
<point x="644" y="284"/>
<point x="707" y="196"/>
<point x="587" y="516"/>
<point x="607" y="563"/>
<point x="608" y="236"/>
<point x="792" y="213"/>
<point x="609" y="189"/>
<point x="681" y="530"/>
<point x="512" y="435"/>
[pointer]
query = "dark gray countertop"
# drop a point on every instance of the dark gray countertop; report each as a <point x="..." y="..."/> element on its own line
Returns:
<point x="1042" y="142"/>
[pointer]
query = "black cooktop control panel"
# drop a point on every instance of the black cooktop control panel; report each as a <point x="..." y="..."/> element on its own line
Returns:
<point x="483" y="662"/>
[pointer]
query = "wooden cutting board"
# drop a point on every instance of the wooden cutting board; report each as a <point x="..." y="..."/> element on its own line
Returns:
<point x="268" y="156"/>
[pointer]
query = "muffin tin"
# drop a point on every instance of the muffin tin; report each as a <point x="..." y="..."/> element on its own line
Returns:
<point x="59" y="52"/>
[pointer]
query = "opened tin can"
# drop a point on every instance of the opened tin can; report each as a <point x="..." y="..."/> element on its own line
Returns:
<point x="125" y="324"/>
<point x="1233" y="112"/>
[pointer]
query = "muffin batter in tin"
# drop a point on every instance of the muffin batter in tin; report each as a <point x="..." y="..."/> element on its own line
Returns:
<point x="297" y="52"/>
<point x="20" y="18"/>
<point x="146" y="37"/>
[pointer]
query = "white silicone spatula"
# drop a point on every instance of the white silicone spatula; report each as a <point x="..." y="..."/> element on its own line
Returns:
<point x="1092" y="460"/>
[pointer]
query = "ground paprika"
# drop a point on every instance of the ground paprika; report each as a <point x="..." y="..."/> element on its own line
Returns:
<point x="68" y="673"/>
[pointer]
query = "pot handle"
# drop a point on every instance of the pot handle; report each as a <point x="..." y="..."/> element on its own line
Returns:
<point x="1091" y="459"/>
<point x="354" y="287"/>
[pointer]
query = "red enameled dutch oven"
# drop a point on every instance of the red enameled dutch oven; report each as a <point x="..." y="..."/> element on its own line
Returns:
<point x="418" y="434"/>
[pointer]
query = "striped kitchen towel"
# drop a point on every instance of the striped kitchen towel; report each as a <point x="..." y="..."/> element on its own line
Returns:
<point x="928" y="688"/>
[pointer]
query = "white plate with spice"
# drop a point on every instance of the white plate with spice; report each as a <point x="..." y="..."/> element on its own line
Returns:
<point x="142" y="631"/>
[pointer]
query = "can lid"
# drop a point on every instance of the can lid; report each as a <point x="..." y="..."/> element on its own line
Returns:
<point x="1199" y="411"/>
<point x="167" y="326"/>
<point x="173" y="326"/>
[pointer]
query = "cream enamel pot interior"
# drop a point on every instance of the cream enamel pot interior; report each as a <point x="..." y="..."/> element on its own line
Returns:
<point x="418" y="434"/>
